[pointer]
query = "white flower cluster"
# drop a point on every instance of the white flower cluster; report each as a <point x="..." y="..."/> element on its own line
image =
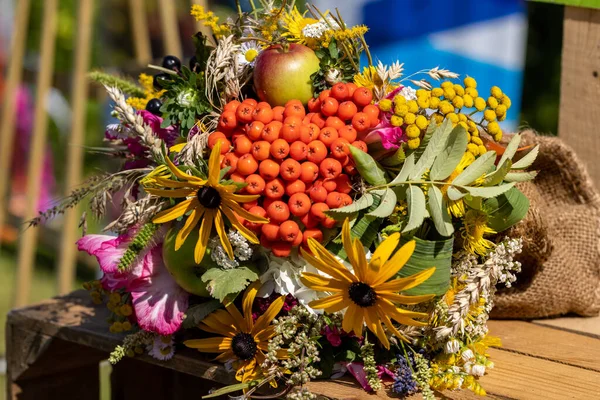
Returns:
<point x="316" y="30"/>
<point x="242" y="250"/>
<point x="408" y="93"/>
<point x="162" y="348"/>
<point x="479" y="285"/>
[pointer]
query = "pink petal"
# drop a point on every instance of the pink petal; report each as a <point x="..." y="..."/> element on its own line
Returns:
<point x="92" y="243"/>
<point x="358" y="372"/>
<point x="159" y="302"/>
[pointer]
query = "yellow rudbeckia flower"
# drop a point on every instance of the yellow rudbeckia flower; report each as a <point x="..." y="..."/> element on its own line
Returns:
<point x="368" y="295"/>
<point x="206" y="200"/>
<point x="243" y="341"/>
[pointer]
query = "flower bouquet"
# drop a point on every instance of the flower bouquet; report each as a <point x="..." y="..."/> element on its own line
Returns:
<point x="298" y="217"/>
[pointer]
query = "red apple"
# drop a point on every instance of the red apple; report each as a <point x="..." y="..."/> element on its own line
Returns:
<point x="282" y="73"/>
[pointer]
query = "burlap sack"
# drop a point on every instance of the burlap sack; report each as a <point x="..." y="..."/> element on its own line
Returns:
<point x="561" y="233"/>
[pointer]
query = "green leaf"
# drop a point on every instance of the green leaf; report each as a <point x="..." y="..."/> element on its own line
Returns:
<point x="415" y="199"/>
<point x="438" y="209"/>
<point x="446" y="162"/>
<point x="527" y="159"/>
<point x="368" y="167"/>
<point x="487" y="192"/>
<point x="479" y="167"/>
<point x="333" y="50"/>
<point x="425" y="140"/>
<point x="511" y="149"/>
<point x="231" y="388"/>
<point x="429" y="254"/>
<point x="395" y="159"/>
<point x="455" y="194"/>
<point x="433" y="149"/>
<point x="498" y="175"/>
<point x="520" y="176"/>
<point x="407" y="168"/>
<point x="365" y="201"/>
<point x="506" y="210"/>
<point x="387" y="203"/>
<point x="198" y="312"/>
<point x="222" y="282"/>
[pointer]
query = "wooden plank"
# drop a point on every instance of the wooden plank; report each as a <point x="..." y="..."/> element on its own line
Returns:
<point x="584" y="326"/>
<point x="37" y="153"/>
<point x="79" y="96"/>
<point x="170" y="28"/>
<point x="7" y="122"/>
<point x="548" y="343"/>
<point x="579" y="118"/>
<point x="141" y="35"/>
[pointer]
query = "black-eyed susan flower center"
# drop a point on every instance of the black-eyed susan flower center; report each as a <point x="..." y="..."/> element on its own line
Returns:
<point x="243" y="346"/>
<point x="209" y="197"/>
<point x="362" y="294"/>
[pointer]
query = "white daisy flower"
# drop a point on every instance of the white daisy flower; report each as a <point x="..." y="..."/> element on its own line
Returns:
<point x="162" y="348"/>
<point x="248" y="53"/>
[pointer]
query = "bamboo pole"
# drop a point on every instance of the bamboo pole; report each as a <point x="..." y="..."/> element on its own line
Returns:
<point x="141" y="36"/>
<point x="27" y="244"/>
<point x="7" y="123"/>
<point x="170" y="28"/>
<point x="79" y="97"/>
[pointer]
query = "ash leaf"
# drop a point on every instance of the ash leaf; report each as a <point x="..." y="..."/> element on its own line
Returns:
<point x="222" y="282"/>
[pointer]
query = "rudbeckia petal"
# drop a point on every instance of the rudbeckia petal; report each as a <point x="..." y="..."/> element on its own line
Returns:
<point x="374" y="326"/>
<point x="264" y="320"/>
<point x="409" y="282"/>
<point x="190" y="224"/>
<point x="248" y="300"/>
<point x="317" y="282"/>
<point x="327" y="302"/>
<point x="396" y="263"/>
<point x="404" y="299"/>
<point x="173" y="212"/>
<point x="388" y="323"/>
<point x="383" y="252"/>
<point x="228" y="355"/>
<point x="239" y="320"/>
<point x="170" y="183"/>
<point x="265" y="334"/>
<point x="243" y="213"/>
<point x="240" y="198"/>
<point x="210" y="345"/>
<point x="180" y="174"/>
<point x="245" y="232"/>
<point x="205" y="229"/>
<point x="349" y="243"/>
<point x="214" y="169"/>
<point x="353" y="320"/>
<point x="325" y="262"/>
<point x="220" y="226"/>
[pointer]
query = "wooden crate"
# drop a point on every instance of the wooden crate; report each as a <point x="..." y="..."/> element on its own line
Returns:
<point x="54" y="350"/>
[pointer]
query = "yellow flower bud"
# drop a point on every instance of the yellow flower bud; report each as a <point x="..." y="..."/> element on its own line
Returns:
<point x="439" y="118"/>
<point x="492" y="102"/>
<point x="126" y="310"/>
<point x="130" y="353"/>
<point x="477" y="141"/>
<point x="116" y="327"/>
<point x="458" y="102"/>
<point x="493" y="128"/>
<point x="413" y="107"/>
<point x="423" y="102"/>
<point x="385" y="105"/>
<point x="413" y="143"/>
<point x="437" y="92"/>
<point x="506" y="101"/>
<point x="87" y="285"/>
<point x="470" y="82"/>
<point x="468" y="100"/>
<point x="472" y="92"/>
<point x="413" y="131"/>
<point x="114" y="297"/>
<point x="126" y="326"/>
<point x="410" y="118"/>
<point x="480" y="104"/>
<point x="496" y="92"/>
<point x="498" y="136"/>
<point x="482" y="149"/>
<point x="434" y="103"/>
<point x="423" y="93"/>
<point x="400" y="110"/>
<point x="460" y="91"/>
<point x="446" y="84"/>
<point x="473" y="149"/>
<point x="500" y="110"/>
<point x="399" y="99"/>
<point x="449" y="93"/>
<point x="452" y="117"/>
<point x="422" y="122"/>
<point x="462" y="117"/>
<point x="445" y="107"/>
<point x="489" y="115"/>
<point x="463" y="124"/>
<point x="396" y="120"/>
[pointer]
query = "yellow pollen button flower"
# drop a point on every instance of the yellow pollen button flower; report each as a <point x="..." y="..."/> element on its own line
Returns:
<point x="480" y="104"/>
<point x="496" y="92"/>
<point x="472" y="92"/>
<point x="458" y="102"/>
<point x="482" y="149"/>
<point x="498" y="136"/>
<point x="464" y="125"/>
<point x="423" y="93"/>
<point x="468" y="100"/>
<point x="500" y="110"/>
<point x="413" y="143"/>
<point x="470" y="82"/>
<point x="396" y="120"/>
<point x="477" y="141"/>
<point x="423" y="102"/>
<point x="400" y="110"/>
<point x="421" y="122"/>
<point x="506" y="101"/>
<point x="449" y="93"/>
<point x="399" y="99"/>
<point x="413" y="107"/>
<point x="473" y="149"/>
<point x="446" y="84"/>
<point x="489" y="115"/>
<point x="437" y="92"/>
<point x="434" y="103"/>
<point x="439" y="118"/>
<point x="462" y="117"/>
<point x="445" y="107"/>
<point x="492" y="102"/>
<point x="460" y="91"/>
<point x="493" y="128"/>
<point x="385" y="105"/>
<point x="413" y="131"/>
<point x="410" y="118"/>
<point x="452" y="117"/>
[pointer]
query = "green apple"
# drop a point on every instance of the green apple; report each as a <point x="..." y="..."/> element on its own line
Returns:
<point x="282" y="73"/>
<point x="181" y="265"/>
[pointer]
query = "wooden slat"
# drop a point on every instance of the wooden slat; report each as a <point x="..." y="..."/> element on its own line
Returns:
<point x="79" y="96"/>
<point x="548" y="343"/>
<point x="141" y="38"/>
<point x="586" y="326"/>
<point x="35" y="165"/>
<point x="170" y="28"/>
<point x="7" y="122"/>
<point x="579" y="118"/>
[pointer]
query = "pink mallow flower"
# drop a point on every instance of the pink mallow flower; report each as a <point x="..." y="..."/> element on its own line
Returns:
<point x="158" y="301"/>
<point x="391" y="137"/>
<point x="333" y="335"/>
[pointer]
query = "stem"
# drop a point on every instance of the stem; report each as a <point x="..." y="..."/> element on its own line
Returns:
<point x="162" y="69"/>
<point x="406" y="356"/>
<point x="367" y="51"/>
<point x="253" y="8"/>
<point x="239" y="9"/>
